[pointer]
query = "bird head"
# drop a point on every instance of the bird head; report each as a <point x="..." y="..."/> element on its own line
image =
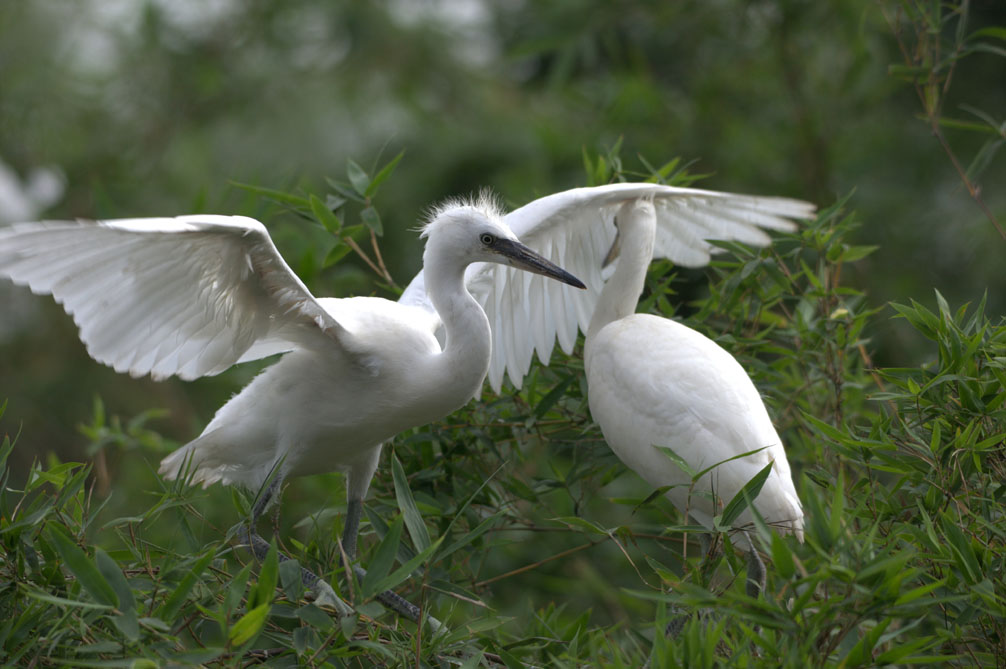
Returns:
<point x="473" y="231"/>
<point x="633" y="217"/>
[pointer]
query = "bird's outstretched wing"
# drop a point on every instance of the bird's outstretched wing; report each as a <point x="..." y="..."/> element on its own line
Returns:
<point x="575" y="229"/>
<point x="187" y="296"/>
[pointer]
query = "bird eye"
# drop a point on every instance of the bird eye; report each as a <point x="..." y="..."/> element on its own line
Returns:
<point x="487" y="239"/>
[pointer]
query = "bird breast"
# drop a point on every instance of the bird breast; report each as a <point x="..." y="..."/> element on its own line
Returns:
<point x="653" y="382"/>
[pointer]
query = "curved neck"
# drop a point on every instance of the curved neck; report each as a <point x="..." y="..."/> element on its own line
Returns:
<point x="637" y="227"/>
<point x="464" y="362"/>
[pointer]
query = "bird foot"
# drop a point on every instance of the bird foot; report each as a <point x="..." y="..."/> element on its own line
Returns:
<point x="399" y="604"/>
<point x="324" y="595"/>
<point x="322" y="592"/>
<point x="678" y="622"/>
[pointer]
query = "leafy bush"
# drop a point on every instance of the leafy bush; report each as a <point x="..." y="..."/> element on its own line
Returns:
<point x="534" y="544"/>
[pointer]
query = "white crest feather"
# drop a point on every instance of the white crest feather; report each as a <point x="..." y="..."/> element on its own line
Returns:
<point x="486" y="203"/>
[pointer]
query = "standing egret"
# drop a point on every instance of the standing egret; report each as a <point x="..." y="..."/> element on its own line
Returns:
<point x="192" y="296"/>
<point x="650" y="381"/>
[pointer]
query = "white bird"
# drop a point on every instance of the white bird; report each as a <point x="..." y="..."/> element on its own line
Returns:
<point x="650" y="381"/>
<point x="192" y="296"/>
<point x="653" y="382"/>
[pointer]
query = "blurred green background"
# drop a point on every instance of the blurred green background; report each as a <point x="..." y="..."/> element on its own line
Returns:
<point x="153" y="108"/>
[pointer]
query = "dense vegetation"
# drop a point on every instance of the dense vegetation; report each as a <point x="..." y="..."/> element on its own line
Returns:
<point x="516" y="525"/>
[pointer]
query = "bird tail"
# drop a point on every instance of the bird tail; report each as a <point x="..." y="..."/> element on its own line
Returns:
<point x="194" y="463"/>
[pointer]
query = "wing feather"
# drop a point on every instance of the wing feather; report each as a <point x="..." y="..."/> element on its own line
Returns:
<point x="187" y="296"/>
<point x="574" y="229"/>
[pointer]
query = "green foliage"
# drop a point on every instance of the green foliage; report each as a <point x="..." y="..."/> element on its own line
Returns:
<point x="514" y="524"/>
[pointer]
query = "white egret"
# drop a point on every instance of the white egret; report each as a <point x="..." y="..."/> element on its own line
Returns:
<point x="192" y="296"/>
<point x="651" y="381"/>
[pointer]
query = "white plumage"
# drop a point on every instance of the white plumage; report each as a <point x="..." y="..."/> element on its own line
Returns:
<point x="574" y="229"/>
<point x="651" y="381"/>
<point x="193" y="295"/>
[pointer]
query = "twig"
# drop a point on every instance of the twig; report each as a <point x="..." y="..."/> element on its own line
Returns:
<point x="356" y="249"/>
<point x="933" y="112"/>
<point x="535" y="565"/>
<point x="380" y="259"/>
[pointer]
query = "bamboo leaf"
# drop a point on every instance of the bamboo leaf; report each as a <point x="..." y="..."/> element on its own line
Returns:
<point x="357" y="177"/>
<point x="248" y="625"/>
<point x="383" y="558"/>
<point x="413" y="519"/>
<point x="83" y="569"/>
<point x="383" y="174"/>
<point x="178" y="595"/>
<point x="745" y="497"/>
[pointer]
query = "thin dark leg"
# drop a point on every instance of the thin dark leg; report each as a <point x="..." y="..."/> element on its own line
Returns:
<point x="260" y="549"/>
<point x="392" y="600"/>
<point x="354" y="509"/>
<point x="757" y="576"/>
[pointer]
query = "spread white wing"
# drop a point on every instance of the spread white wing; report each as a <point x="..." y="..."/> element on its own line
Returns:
<point x="575" y="229"/>
<point x="187" y="296"/>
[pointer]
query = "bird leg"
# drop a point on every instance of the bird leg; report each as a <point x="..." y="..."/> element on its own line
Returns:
<point x="391" y="599"/>
<point x="324" y="595"/>
<point x="354" y="509"/>
<point x="757" y="576"/>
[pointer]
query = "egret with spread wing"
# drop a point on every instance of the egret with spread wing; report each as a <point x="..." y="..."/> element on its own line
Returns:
<point x="651" y="382"/>
<point x="192" y="296"/>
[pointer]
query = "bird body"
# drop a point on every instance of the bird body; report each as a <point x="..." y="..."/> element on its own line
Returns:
<point x="193" y="295"/>
<point x="655" y="382"/>
<point x="652" y="382"/>
<point x="574" y="229"/>
<point x="311" y="413"/>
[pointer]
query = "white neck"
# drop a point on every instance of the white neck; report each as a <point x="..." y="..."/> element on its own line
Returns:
<point x="637" y="227"/>
<point x="464" y="362"/>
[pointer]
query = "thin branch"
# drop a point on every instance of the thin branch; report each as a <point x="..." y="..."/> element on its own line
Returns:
<point x="380" y="260"/>
<point x="535" y="565"/>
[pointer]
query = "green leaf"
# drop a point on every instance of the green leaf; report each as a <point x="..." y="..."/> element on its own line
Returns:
<point x="918" y="592"/>
<point x="576" y="521"/>
<point x="471" y="536"/>
<point x="357" y="177"/>
<point x="338" y="252"/>
<point x="291" y="580"/>
<point x="325" y="216"/>
<point x="678" y="460"/>
<point x="383" y="174"/>
<point x="854" y="253"/>
<point x="62" y="601"/>
<point x="126" y="621"/>
<point x="406" y="569"/>
<point x="997" y="32"/>
<point x="315" y="617"/>
<point x="372" y="220"/>
<point x="83" y="568"/>
<point x="962" y="552"/>
<point x="248" y="625"/>
<point x="265" y="590"/>
<point x="862" y="652"/>
<point x="277" y="195"/>
<point x="413" y="519"/>
<point x="782" y="557"/>
<point x="169" y="610"/>
<point x="383" y="558"/>
<point x="553" y="396"/>
<point x="114" y="576"/>
<point x="745" y="497"/>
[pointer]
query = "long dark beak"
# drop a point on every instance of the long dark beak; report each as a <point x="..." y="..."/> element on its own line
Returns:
<point x="616" y="247"/>
<point x="522" y="257"/>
